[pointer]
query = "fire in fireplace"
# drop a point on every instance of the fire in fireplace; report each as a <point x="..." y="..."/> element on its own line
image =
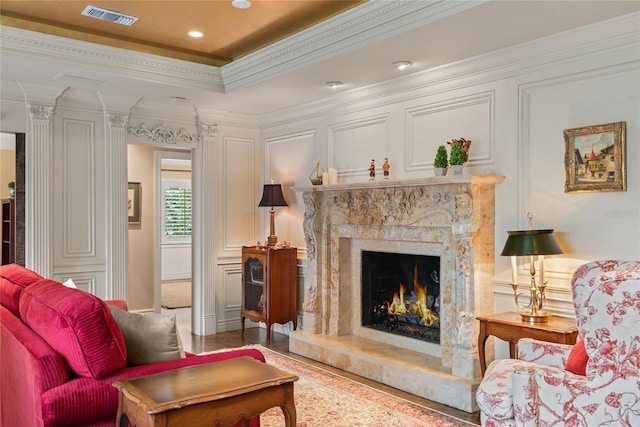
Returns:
<point x="401" y="294"/>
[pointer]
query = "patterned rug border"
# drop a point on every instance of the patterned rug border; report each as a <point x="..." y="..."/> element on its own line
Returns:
<point x="267" y="352"/>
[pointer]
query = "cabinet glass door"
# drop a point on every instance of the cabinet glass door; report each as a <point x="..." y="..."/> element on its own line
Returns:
<point x="253" y="285"/>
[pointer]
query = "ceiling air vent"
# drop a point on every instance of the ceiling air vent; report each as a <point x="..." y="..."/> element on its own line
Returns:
<point x="109" y="15"/>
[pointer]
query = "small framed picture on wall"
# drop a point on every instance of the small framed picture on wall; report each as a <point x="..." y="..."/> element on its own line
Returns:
<point x="595" y="158"/>
<point x="134" y="199"/>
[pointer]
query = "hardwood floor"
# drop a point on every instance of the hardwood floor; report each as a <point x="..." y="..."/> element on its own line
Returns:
<point x="280" y="343"/>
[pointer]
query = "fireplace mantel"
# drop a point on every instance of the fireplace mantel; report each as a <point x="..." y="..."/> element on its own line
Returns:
<point x="450" y="217"/>
<point x="415" y="182"/>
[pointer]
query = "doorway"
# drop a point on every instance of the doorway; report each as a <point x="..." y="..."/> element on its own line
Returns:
<point x="12" y="169"/>
<point x="173" y="234"/>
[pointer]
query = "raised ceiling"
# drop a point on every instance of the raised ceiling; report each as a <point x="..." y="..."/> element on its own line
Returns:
<point x="229" y="33"/>
<point x="356" y="47"/>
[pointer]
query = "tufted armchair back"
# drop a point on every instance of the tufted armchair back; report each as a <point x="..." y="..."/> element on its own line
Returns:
<point x="537" y="390"/>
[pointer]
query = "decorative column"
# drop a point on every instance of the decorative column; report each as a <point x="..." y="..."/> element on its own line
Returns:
<point x="116" y="216"/>
<point x="203" y="238"/>
<point x="38" y="179"/>
<point x="312" y="316"/>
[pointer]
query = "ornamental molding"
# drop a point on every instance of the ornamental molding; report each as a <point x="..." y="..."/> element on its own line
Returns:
<point x="360" y="26"/>
<point x="209" y="130"/>
<point x="117" y="120"/>
<point x="115" y="61"/>
<point x="165" y="134"/>
<point x="40" y="112"/>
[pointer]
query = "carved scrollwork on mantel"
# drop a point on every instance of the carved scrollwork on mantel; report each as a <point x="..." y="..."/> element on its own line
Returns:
<point x="164" y="133"/>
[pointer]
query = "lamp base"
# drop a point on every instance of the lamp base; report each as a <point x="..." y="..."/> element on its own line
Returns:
<point x="272" y="240"/>
<point x="537" y="317"/>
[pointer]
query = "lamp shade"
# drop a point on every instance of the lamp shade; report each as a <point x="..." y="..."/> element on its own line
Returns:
<point x="531" y="242"/>
<point x="272" y="196"/>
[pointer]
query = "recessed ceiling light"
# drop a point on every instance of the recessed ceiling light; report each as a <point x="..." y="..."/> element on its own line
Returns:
<point x="334" y="85"/>
<point x="241" y="4"/>
<point x="195" y="34"/>
<point x="402" y="65"/>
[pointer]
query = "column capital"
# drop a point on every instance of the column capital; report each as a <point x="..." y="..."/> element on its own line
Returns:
<point x="40" y="112"/>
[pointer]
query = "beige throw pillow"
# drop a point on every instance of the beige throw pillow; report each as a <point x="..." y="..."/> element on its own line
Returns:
<point x="149" y="338"/>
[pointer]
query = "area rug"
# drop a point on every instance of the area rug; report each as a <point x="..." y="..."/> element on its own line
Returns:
<point x="175" y="294"/>
<point x="325" y="399"/>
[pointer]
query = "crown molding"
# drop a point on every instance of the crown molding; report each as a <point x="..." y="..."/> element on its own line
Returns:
<point x="601" y="40"/>
<point x="370" y="22"/>
<point x="119" y="62"/>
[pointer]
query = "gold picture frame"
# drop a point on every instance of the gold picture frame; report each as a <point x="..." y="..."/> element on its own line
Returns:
<point x="134" y="199"/>
<point x="595" y="158"/>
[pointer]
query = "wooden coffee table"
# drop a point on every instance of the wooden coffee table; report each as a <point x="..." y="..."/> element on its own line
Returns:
<point x="213" y="394"/>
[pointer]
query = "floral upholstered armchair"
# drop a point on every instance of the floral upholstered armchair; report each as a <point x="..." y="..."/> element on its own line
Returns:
<point x="593" y="383"/>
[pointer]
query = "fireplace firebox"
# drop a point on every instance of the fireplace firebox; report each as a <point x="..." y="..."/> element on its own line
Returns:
<point x="401" y="294"/>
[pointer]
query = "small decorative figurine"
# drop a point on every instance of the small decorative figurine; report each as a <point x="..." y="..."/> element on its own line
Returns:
<point x="372" y="170"/>
<point x="385" y="168"/>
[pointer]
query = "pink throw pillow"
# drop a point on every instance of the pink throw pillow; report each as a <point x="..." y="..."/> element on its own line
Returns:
<point x="77" y="325"/>
<point x="13" y="279"/>
<point x="578" y="358"/>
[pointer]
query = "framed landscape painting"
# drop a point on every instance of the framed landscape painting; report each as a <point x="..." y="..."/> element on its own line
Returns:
<point x="133" y="202"/>
<point x="595" y="158"/>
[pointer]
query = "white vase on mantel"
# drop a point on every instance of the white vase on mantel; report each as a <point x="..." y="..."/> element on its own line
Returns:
<point x="440" y="171"/>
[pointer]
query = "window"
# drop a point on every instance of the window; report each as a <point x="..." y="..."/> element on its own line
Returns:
<point x="177" y="211"/>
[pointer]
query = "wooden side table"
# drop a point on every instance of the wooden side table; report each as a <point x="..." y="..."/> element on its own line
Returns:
<point x="213" y="394"/>
<point x="510" y="327"/>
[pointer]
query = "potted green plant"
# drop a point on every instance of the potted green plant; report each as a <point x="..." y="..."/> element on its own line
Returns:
<point x="456" y="159"/>
<point x="12" y="188"/>
<point x="440" y="162"/>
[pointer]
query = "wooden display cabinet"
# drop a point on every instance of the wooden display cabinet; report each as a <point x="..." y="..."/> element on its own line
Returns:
<point x="8" y="231"/>
<point x="269" y="286"/>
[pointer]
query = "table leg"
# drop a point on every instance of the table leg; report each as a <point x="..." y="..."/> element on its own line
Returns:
<point x="289" y="407"/>
<point x="119" y="417"/>
<point x="242" y="326"/>
<point x="482" y="339"/>
<point x="512" y="349"/>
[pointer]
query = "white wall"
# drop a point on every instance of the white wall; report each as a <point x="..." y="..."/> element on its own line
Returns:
<point x="514" y="105"/>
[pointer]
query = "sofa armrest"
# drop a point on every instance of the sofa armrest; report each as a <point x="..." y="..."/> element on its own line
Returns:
<point x="543" y="352"/>
<point x="558" y="396"/>
<point x="28" y="367"/>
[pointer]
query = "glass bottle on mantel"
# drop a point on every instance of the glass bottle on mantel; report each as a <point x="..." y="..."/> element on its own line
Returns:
<point x="316" y="174"/>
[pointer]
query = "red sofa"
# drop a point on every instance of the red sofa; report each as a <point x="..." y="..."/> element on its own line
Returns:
<point x="60" y="352"/>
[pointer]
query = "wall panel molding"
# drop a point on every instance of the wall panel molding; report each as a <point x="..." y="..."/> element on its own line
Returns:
<point x="241" y="204"/>
<point x="78" y="191"/>
<point x="452" y="117"/>
<point x="367" y="137"/>
<point x="559" y="270"/>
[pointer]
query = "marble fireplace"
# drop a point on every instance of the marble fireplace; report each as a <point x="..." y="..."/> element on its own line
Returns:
<point x="450" y="219"/>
